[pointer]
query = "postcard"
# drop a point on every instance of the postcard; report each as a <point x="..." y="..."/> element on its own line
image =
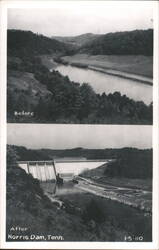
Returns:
<point x="79" y="125"/>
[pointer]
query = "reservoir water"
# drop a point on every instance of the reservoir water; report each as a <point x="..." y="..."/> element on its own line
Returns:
<point x="102" y="82"/>
<point x="45" y="172"/>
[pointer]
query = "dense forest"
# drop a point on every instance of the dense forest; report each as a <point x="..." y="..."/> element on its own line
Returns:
<point x="24" y="154"/>
<point x="131" y="165"/>
<point x="26" y="43"/>
<point x="129" y="162"/>
<point x="137" y="42"/>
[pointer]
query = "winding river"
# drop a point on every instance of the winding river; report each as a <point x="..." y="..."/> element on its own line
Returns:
<point x="102" y="82"/>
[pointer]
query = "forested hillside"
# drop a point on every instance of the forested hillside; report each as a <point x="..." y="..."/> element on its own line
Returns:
<point x="128" y="163"/>
<point x="25" y="154"/>
<point x="137" y="42"/>
<point x="26" y="43"/>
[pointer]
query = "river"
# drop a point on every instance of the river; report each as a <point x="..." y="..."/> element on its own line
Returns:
<point x="102" y="82"/>
<point x="127" y="195"/>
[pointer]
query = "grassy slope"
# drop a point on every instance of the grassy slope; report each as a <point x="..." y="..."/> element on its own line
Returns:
<point x="136" y="64"/>
<point x="127" y="182"/>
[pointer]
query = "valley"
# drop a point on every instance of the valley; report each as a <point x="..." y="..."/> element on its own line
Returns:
<point x="89" y="87"/>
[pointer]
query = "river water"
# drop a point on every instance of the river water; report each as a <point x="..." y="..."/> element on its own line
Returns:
<point x="102" y="82"/>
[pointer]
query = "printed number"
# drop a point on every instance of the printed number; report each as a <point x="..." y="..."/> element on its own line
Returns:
<point x="135" y="238"/>
<point x="140" y="238"/>
<point x="128" y="238"/>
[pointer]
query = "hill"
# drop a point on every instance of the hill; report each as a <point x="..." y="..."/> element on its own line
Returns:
<point x="77" y="41"/>
<point x="137" y="42"/>
<point x="128" y="163"/>
<point x="22" y="43"/>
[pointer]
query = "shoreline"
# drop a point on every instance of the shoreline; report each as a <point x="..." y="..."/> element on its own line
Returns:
<point x="122" y="75"/>
<point x="98" y="190"/>
<point x="109" y="71"/>
<point x="110" y="196"/>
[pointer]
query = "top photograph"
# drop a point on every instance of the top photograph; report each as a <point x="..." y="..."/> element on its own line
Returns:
<point x="81" y="62"/>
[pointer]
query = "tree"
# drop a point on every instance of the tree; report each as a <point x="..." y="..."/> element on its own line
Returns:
<point x="12" y="156"/>
<point x="41" y="110"/>
<point x="93" y="212"/>
<point x="89" y="101"/>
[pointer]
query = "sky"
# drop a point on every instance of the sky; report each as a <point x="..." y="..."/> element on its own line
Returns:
<point x="71" y="18"/>
<point x="36" y="136"/>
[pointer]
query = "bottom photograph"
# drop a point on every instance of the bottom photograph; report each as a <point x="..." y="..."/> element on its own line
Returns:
<point x="79" y="183"/>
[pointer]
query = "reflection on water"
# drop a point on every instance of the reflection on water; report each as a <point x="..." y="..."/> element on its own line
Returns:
<point x="107" y="83"/>
<point x="55" y="189"/>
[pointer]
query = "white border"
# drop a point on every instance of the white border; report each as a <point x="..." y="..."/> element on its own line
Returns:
<point x="71" y="245"/>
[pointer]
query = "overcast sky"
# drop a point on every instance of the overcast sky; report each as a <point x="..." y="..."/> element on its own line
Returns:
<point x="86" y="136"/>
<point x="71" y="18"/>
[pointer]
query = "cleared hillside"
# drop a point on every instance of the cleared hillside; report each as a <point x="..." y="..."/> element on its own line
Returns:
<point x="135" y="64"/>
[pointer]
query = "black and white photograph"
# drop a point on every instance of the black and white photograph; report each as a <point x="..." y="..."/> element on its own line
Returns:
<point x="79" y="129"/>
<point x="70" y="183"/>
<point x="81" y="63"/>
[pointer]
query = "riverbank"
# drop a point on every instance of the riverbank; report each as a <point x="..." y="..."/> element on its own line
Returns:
<point x="135" y="197"/>
<point x="105" y="217"/>
<point x="137" y="68"/>
<point x="125" y="75"/>
<point x="118" y="216"/>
